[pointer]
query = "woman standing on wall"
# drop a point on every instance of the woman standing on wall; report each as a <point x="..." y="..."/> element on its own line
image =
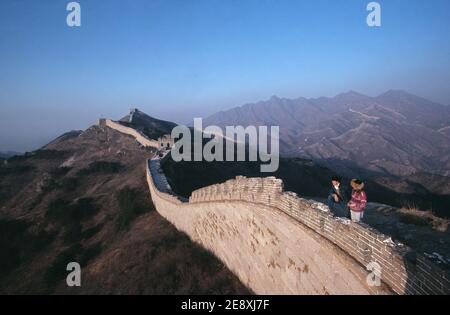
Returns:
<point x="359" y="200"/>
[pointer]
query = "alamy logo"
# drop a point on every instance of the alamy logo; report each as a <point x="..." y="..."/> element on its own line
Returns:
<point x="74" y="17"/>
<point x="73" y="279"/>
<point x="251" y="140"/>
<point x="374" y="17"/>
<point x="374" y="277"/>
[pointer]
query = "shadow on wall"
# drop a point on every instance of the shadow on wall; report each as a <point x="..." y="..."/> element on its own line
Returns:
<point x="303" y="177"/>
<point x="300" y="176"/>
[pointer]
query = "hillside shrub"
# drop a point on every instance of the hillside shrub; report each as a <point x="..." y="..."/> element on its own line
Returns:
<point x="66" y="212"/>
<point x="130" y="207"/>
<point x="102" y="167"/>
<point x="88" y="233"/>
<point x="17" y="244"/>
<point x="75" y="253"/>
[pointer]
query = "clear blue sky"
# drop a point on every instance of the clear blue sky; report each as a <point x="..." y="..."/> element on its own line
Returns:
<point x="180" y="59"/>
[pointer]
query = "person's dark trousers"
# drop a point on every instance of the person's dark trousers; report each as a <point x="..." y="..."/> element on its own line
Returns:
<point x="339" y="209"/>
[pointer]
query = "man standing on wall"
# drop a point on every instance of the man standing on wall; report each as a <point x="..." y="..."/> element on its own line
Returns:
<point x="337" y="198"/>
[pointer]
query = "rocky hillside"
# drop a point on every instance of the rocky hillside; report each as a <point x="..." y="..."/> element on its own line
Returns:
<point x="84" y="198"/>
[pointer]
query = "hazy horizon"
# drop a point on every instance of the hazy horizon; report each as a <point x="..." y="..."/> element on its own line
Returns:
<point x="176" y="60"/>
<point x="143" y="109"/>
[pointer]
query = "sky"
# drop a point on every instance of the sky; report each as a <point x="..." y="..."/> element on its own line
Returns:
<point x="176" y="60"/>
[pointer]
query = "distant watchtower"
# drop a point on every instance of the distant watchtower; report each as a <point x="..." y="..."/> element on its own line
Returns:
<point x="102" y="122"/>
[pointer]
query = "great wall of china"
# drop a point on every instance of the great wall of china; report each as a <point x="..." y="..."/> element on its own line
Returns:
<point x="142" y="139"/>
<point x="279" y="243"/>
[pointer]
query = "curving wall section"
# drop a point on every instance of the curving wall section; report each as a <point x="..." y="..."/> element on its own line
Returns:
<point x="403" y="270"/>
<point x="142" y="139"/>
<point x="278" y="243"/>
<point x="268" y="250"/>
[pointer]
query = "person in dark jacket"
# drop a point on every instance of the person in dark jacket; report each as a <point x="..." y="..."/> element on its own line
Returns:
<point x="337" y="198"/>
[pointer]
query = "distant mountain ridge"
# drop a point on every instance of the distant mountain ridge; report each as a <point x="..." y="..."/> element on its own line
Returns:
<point x="394" y="133"/>
<point x="8" y="154"/>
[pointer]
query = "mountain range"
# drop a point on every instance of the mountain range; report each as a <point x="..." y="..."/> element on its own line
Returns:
<point x="395" y="133"/>
<point x="8" y="154"/>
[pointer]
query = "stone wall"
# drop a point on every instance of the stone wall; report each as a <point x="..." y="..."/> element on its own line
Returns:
<point x="278" y="243"/>
<point x="403" y="270"/>
<point x="142" y="139"/>
<point x="268" y="250"/>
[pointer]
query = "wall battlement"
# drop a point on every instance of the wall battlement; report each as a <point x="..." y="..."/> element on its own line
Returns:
<point x="279" y="243"/>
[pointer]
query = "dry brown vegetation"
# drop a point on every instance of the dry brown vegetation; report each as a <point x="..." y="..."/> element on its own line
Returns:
<point x="85" y="199"/>
<point x="411" y="215"/>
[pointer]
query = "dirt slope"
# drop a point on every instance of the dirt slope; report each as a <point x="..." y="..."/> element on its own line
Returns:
<point x="85" y="199"/>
